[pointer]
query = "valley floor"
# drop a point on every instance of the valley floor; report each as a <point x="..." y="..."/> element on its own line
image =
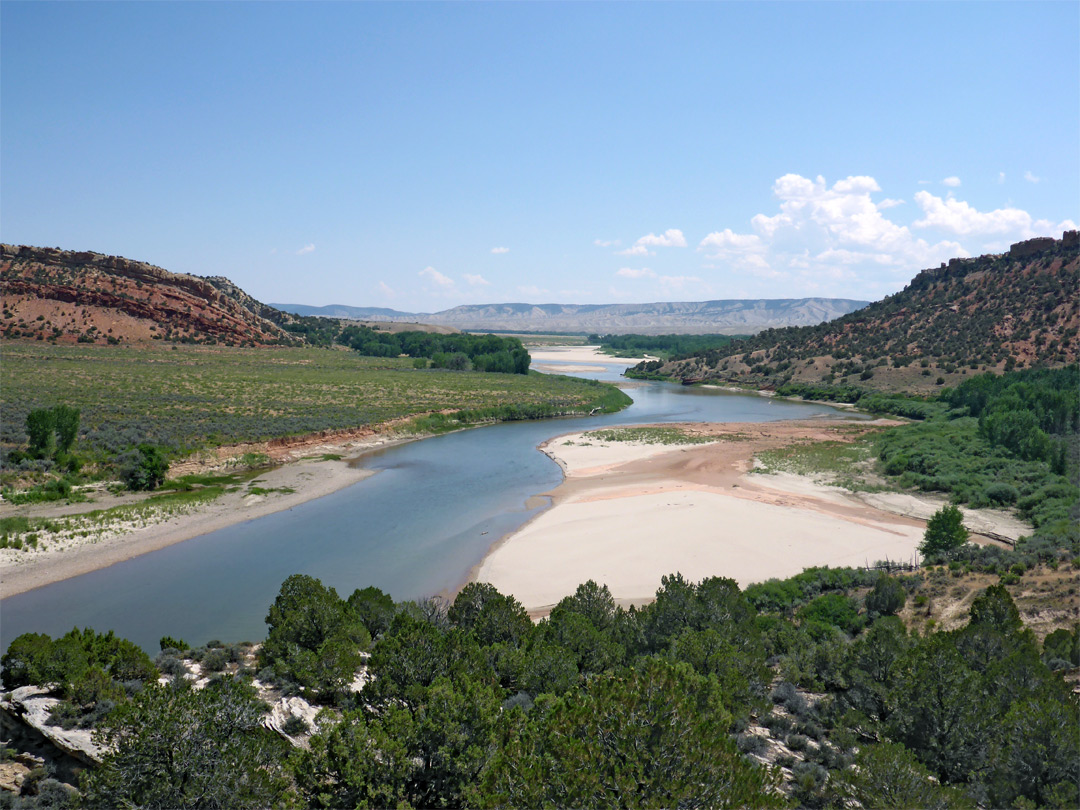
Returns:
<point x="630" y="511"/>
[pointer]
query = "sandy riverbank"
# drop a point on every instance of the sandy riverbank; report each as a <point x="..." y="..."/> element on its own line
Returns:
<point x="303" y="471"/>
<point x="576" y="359"/>
<point x="629" y="513"/>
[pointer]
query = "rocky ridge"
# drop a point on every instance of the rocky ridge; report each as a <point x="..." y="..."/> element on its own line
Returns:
<point x="989" y="313"/>
<point x="80" y="296"/>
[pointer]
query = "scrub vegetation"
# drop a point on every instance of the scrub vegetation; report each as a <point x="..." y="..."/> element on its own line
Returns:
<point x="648" y="435"/>
<point x="825" y="690"/>
<point x="180" y="399"/>
<point x="1007" y="441"/>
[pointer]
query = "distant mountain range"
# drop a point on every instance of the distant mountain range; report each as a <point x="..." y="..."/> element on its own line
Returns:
<point x="738" y="316"/>
<point x="66" y="296"/>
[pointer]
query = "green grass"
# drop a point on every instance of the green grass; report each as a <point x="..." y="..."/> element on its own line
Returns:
<point x="270" y="490"/>
<point x="846" y="463"/>
<point x="187" y="483"/>
<point x="190" y="397"/>
<point x="648" y="435"/>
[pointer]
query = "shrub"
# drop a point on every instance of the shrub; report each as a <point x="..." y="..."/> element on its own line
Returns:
<point x="776" y="723"/>
<point x="168" y="642"/>
<point x="788" y="696"/>
<point x="1001" y="493"/>
<point x="170" y="665"/>
<point x="1062" y="645"/>
<point x="751" y="744"/>
<point x="887" y="598"/>
<point x="295" y="725"/>
<point x="215" y="660"/>
<point x="145" y="468"/>
<point x="796" y="742"/>
<point x="834" y="609"/>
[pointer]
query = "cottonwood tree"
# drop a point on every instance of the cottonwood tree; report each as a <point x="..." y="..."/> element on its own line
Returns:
<point x="945" y="532"/>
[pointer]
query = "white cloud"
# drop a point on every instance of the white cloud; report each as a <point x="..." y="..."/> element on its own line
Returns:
<point x="951" y="182"/>
<point x="531" y="290"/>
<point x="729" y="240"/>
<point x="385" y="289"/>
<point x="630" y="272"/>
<point x="823" y="235"/>
<point x="636" y="250"/>
<point x="607" y="242"/>
<point x="500" y="250"/>
<point x="433" y="275"/>
<point x="958" y="217"/>
<point x="815" y="216"/>
<point x="476" y="280"/>
<point x="672" y="237"/>
<point x="1031" y="178"/>
<point x="1001" y="178"/>
<point x="306" y="249"/>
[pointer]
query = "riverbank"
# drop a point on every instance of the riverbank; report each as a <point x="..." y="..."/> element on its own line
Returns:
<point x="629" y="512"/>
<point x="85" y="537"/>
<point x="309" y="469"/>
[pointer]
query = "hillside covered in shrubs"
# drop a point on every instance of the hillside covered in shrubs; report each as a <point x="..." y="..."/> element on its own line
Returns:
<point x="989" y="313"/>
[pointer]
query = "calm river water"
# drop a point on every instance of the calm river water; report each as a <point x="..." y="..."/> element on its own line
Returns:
<point x="414" y="529"/>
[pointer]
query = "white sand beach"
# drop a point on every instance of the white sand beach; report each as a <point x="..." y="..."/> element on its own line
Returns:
<point x="629" y="513"/>
<point x="576" y="359"/>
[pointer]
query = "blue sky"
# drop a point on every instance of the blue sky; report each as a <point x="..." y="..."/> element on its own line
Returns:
<point x="420" y="156"/>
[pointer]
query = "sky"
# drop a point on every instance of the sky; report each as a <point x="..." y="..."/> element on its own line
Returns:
<point x="420" y="156"/>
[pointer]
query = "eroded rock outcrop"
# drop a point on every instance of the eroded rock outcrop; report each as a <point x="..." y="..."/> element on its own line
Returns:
<point x="93" y="298"/>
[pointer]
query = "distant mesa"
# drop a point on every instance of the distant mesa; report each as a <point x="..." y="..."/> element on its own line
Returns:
<point x="736" y="316"/>
<point x="68" y="296"/>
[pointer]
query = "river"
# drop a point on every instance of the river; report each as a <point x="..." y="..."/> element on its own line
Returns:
<point x="414" y="529"/>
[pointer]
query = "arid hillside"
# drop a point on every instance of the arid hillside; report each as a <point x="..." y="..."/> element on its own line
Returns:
<point x="64" y="296"/>
<point x="989" y="313"/>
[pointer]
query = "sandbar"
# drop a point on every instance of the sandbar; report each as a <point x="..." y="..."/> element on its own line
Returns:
<point x="576" y="359"/>
<point x="628" y="513"/>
